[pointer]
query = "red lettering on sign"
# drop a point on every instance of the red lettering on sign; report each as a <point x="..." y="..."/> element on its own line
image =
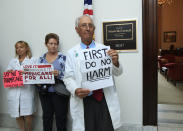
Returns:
<point x="44" y="66"/>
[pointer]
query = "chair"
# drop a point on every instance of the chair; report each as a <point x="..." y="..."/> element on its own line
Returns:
<point x="163" y="60"/>
<point x="175" y="72"/>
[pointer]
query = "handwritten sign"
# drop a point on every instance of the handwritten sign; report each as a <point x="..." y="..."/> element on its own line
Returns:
<point x="12" y="79"/>
<point x="38" y="74"/>
<point x="96" y="68"/>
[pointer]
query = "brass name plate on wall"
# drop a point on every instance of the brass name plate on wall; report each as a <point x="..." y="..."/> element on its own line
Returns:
<point x="120" y="35"/>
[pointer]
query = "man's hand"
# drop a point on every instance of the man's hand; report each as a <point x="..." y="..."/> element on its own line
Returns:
<point x="114" y="56"/>
<point x="81" y="93"/>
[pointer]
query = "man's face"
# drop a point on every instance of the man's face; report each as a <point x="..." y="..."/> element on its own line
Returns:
<point x="85" y="30"/>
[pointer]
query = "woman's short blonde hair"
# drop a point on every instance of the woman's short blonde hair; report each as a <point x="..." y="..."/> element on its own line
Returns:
<point x="28" y="52"/>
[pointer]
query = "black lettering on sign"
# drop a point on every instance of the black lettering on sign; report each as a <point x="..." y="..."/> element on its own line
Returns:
<point x="104" y="50"/>
<point x="88" y="64"/>
<point x="105" y="62"/>
<point x="95" y="54"/>
<point x="100" y="74"/>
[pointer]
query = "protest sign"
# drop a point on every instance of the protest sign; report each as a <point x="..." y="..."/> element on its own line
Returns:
<point x="96" y="68"/>
<point x="38" y="74"/>
<point x="12" y="79"/>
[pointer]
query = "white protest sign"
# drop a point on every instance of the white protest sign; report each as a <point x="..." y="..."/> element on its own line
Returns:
<point x="96" y="68"/>
<point x="38" y="74"/>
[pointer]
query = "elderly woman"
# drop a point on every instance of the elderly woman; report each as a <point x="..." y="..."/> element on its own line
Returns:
<point x="52" y="102"/>
<point x="21" y="100"/>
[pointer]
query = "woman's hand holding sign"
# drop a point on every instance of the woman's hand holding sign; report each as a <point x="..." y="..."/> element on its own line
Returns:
<point x="81" y="92"/>
<point x="114" y="55"/>
<point x="9" y="71"/>
<point x="55" y="72"/>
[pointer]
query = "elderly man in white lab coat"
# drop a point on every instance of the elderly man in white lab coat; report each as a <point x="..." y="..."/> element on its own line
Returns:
<point x="97" y="110"/>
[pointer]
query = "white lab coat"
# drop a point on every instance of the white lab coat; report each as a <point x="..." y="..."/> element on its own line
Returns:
<point x="73" y="79"/>
<point x="21" y="100"/>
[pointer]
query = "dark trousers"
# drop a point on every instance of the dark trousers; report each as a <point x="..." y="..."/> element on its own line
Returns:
<point x="96" y="115"/>
<point x="53" y="103"/>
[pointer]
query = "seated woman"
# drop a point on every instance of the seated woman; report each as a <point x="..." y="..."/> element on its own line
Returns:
<point x="21" y="100"/>
<point x="53" y="103"/>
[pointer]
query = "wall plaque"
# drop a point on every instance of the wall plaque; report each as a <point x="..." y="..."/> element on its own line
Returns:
<point x="120" y="35"/>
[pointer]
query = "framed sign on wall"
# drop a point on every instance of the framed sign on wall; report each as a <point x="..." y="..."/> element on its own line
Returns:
<point x="120" y="35"/>
<point x="170" y="36"/>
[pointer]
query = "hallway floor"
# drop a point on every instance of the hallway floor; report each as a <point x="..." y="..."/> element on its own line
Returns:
<point x="170" y="117"/>
<point x="160" y="128"/>
<point x="170" y="105"/>
<point x="169" y="93"/>
<point x="9" y="129"/>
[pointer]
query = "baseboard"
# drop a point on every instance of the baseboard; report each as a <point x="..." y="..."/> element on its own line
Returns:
<point x="8" y="122"/>
<point x="135" y="127"/>
<point x="150" y="128"/>
<point x="130" y="127"/>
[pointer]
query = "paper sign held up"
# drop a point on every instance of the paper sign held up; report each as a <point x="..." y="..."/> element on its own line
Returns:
<point x="96" y="68"/>
<point x="38" y="74"/>
<point x="12" y="79"/>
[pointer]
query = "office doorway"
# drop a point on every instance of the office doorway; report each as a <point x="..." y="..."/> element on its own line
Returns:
<point x="170" y="63"/>
<point x="150" y="64"/>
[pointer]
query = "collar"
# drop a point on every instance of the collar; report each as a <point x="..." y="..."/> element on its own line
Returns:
<point x="44" y="55"/>
<point x="91" y="45"/>
<point x="24" y="58"/>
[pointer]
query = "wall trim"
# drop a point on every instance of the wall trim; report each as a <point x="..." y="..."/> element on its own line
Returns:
<point x="149" y="17"/>
<point x="7" y="122"/>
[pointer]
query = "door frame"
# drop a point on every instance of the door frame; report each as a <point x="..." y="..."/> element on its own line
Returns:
<point x="150" y="82"/>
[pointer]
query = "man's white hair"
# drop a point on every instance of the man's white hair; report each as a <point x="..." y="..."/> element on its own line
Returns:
<point x="78" y="20"/>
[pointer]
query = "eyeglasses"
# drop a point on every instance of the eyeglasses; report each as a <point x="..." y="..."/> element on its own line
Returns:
<point x="85" y="26"/>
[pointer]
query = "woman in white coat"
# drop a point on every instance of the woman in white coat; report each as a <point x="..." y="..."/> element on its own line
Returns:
<point x="21" y="100"/>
